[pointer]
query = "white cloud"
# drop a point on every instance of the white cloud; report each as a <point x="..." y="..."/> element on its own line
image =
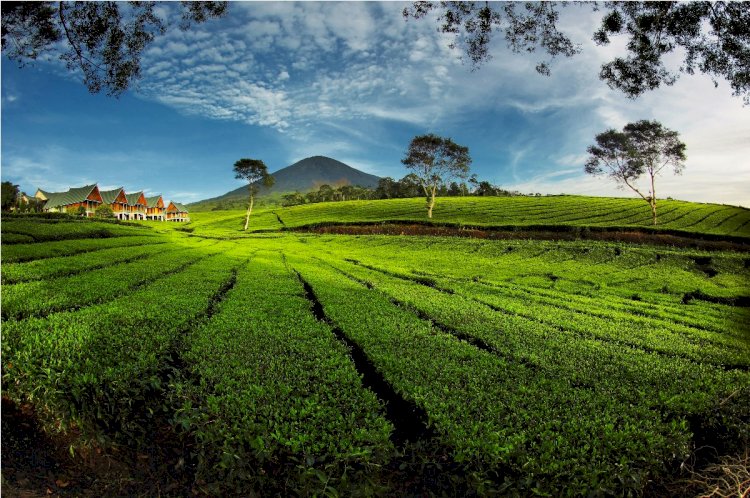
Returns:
<point x="363" y="83"/>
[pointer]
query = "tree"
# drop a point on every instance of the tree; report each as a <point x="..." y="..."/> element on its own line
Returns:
<point x="8" y="195"/>
<point x="103" y="40"/>
<point x="104" y="211"/>
<point x="29" y="204"/>
<point x="714" y="37"/>
<point x="409" y="186"/>
<point x="387" y="188"/>
<point x="325" y="193"/>
<point x="435" y="160"/>
<point x="81" y="211"/>
<point x="348" y="192"/>
<point x="485" y="188"/>
<point x="458" y="189"/>
<point x="644" y="147"/>
<point x="525" y="27"/>
<point x="292" y="199"/>
<point x="255" y="172"/>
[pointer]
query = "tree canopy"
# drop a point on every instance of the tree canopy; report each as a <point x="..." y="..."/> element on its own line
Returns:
<point x="104" y="211"/>
<point x="434" y="160"/>
<point x="8" y="195"/>
<point x="102" y="40"/>
<point x="714" y="37"/>
<point x="642" y="148"/>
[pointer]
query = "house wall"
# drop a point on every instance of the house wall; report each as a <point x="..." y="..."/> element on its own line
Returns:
<point x="177" y="216"/>
<point x="73" y="208"/>
<point x="155" y="213"/>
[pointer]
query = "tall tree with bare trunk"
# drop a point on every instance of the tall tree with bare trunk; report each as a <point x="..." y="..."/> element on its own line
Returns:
<point x="434" y="161"/>
<point x="256" y="174"/>
<point x="642" y="148"/>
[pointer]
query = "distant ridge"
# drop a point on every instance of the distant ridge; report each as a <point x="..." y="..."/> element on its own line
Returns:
<point x="304" y="176"/>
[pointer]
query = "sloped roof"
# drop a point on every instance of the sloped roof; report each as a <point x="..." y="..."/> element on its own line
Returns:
<point x="152" y="201"/>
<point x="133" y="198"/>
<point x="109" y="196"/>
<point x="44" y="193"/>
<point x="178" y="207"/>
<point x="72" y="196"/>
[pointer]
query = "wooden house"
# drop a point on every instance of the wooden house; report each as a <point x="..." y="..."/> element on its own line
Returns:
<point x="177" y="212"/>
<point x="71" y="201"/>
<point x="136" y="206"/>
<point x="117" y="200"/>
<point x="155" y="209"/>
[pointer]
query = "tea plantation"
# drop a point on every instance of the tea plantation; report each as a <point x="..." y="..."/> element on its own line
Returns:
<point x="299" y="363"/>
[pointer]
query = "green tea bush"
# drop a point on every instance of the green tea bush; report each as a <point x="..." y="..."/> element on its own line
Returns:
<point x="278" y="407"/>
<point x="102" y="369"/>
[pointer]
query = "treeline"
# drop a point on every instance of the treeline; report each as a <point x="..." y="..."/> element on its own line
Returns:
<point x="388" y="188"/>
<point x="13" y="200"/>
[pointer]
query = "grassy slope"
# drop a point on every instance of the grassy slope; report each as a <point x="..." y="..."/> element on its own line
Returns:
<point x="597" y="336"/>
<point x="575" y="211"/>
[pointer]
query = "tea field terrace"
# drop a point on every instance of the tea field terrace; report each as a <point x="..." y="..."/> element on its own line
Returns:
<point x="552" y="214"/>
<point x="305" y="363"/>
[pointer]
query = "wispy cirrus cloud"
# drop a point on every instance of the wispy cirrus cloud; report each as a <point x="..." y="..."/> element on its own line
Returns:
<point x="291" y="64"/>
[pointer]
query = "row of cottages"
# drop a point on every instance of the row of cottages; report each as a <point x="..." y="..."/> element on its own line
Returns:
<point x="135" y="206"/>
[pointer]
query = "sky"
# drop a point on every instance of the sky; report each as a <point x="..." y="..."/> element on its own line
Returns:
<point x="281" y="81"/>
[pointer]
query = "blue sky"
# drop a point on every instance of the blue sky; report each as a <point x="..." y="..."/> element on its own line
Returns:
<point x="281" y="81"/>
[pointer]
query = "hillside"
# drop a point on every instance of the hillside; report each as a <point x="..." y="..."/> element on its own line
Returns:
<point x="555" y="212"/>
<point x="302" y="176"/>
<point x="413" y="366"/>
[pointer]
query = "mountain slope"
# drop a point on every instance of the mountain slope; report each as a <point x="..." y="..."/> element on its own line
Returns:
<point x="303" y="176"/>
<point x="311" y="173"/>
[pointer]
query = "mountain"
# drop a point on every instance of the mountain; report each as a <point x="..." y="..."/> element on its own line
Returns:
<point x="303" y="176"/>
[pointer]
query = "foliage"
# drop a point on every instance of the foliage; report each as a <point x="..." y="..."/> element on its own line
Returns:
<point x="525" y="27"/>
<point x="644" y="147"/>
<point x="47" y="268"/>
<point x="462" y="332"/>
<point x="293" y="199"/>
<point x="8" y="195"/>
<point x="435" y="160"/>
<point x="40" y="298"/>
<point x="275" y="383"/>
<point x="553" y="213"/>
<point x="388" y="188"/>
<point x="714" y="37"/>
<point x="43" y="229"/>
<point x="540" y="367"/>
<point x="103" y="40"/>
<point x="20" y="252"/>
<point x="114" y="397"/>
<point x="254" y="172"/>
<point x="484" y="188"/>
<point x="29" y="204"/>
<point x="104" y="211"/>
